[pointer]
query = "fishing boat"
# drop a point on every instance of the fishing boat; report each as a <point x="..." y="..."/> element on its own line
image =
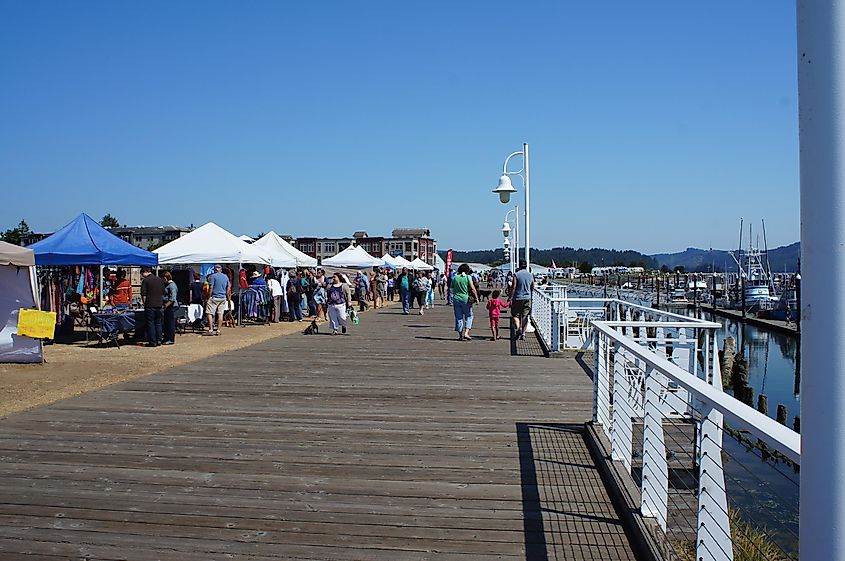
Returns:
<point x="759" y="288"/>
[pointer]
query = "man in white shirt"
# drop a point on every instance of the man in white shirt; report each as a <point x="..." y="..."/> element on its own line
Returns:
<point x="276" y="293"/>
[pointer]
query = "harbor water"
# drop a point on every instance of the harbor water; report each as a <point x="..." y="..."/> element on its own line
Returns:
<point x="762" y="489"/>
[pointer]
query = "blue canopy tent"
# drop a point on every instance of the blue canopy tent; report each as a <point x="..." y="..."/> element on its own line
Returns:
<point x="85" y="242"/>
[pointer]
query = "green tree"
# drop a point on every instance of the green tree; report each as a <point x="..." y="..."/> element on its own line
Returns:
<point x="585" y="267"/>
<point x="109" y="221"/>
<point x="14" y="235"/>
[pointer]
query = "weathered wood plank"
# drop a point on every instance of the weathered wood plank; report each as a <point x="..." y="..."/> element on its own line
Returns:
<point x="397" y="442"/>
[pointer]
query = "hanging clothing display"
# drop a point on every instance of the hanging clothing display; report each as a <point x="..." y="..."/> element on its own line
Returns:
<point x="255" y="303"/>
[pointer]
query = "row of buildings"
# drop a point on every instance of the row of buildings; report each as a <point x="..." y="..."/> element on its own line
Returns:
<point x="410" y="243"/>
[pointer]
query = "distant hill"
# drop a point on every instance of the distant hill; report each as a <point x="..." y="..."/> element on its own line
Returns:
<point x="694" y="259"/>
<point x="563" y="257"/>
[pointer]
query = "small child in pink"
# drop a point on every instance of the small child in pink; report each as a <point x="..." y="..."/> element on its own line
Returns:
<point x="494" y="306"/>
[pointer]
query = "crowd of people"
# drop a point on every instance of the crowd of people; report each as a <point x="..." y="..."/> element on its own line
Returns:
<point x="297" y="295"/>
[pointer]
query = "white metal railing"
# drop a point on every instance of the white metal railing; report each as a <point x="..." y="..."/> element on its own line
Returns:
<point x="565" y="321"/>
<point x="652" y="380"/>
<point x="642" y="297"/>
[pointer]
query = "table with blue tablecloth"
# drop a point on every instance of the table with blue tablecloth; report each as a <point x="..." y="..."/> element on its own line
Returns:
<point x="111" y="326"/>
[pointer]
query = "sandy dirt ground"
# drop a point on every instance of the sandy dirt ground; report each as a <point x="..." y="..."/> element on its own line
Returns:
<point x="76" y="368"/>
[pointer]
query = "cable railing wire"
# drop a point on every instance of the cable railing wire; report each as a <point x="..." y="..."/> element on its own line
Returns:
<point x="607" y="365"/>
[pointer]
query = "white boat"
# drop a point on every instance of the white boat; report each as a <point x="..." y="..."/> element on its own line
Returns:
<point x="679" y="296"/>
<point x="760" y="291"/>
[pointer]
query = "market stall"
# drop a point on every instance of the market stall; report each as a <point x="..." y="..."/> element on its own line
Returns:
<point x="388" y="261"/>
<point x="70" y="269"/>
<point x="275" y="246"/>
<point x="420" y="265"/>
<point x="353" y="257"/>
<point x="17" y="291"/>
<point x="272" y="239"/>
<point x="209" y="245"/>
<point x="85" y="242"/>
<point x="402" y="262"/>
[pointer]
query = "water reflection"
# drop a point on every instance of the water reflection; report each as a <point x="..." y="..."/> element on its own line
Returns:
<point x="765" y="492"/>
<point x="773" y="362"/>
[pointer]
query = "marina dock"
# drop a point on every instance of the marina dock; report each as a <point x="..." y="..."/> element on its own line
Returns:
<point x="736" y="315"/>
<point x="396" y="442"/>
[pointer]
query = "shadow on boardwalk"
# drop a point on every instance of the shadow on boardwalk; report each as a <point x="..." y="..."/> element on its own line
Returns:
<point x="397" y="442"/>
<point x="566" y="514"/>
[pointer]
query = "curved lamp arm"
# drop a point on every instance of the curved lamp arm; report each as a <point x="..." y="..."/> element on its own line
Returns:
<point x="508" y="159"/>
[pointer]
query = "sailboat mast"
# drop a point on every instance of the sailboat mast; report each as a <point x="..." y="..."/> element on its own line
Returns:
<point x="768" y="265"/>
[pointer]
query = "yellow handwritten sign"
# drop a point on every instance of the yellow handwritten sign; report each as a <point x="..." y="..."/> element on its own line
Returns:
<point x="36" y="324"/>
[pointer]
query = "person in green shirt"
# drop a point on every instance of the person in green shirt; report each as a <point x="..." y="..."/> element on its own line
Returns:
<point x="403" y="283"/>
<point x="464" y="296"/>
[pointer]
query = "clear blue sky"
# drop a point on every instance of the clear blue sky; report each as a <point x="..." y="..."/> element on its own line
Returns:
<point x="653" y="125"/>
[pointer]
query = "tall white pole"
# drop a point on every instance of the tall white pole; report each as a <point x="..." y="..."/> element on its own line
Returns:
<point x="821" y="124"/>
<point x="514" y="245"/>
<point x="516" y="239"/>
<point x="527" y="207"/>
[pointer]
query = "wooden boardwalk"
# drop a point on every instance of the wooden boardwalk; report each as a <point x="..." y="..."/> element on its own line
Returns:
<point x="396" y="442"/>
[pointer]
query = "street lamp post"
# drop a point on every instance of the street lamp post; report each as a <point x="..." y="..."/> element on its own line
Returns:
<point x="505" y="188"/>
<point x="508" y="231"/>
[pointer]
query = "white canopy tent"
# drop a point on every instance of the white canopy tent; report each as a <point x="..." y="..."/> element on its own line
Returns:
<point x="420" y="265"/>
<point x="402" y="262"/>
<point x="246" y="239"/>
<point x="17" y="290"/>
<point x="275" y="247"/>
<point x="302" y="259"/>
<point x="210" y="244"/>
<point x="353" y="257"/>
<point x="439" y="264"/>
<point x="479" y="267"/>
<point x="389" y="260"/>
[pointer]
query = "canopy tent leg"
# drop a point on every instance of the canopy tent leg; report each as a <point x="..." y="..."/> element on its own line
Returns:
<point x="240" y="321"/>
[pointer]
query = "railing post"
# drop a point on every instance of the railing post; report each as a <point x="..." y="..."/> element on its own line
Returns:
<point x="655" y="480"/>
<point x="601" y="382"/>
<point x="714" y="530"/>
<point x="555" y="326"/>
<point x="597" y="365"/>
<point x="621" y="441"/>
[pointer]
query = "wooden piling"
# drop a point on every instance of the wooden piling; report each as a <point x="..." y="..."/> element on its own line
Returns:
<point x="728" y="353"/>
<point x="763" y="404"/>
<point x="781" y="414"/>
<point x="747" y="395"/>
<point x="796" y="424"/>
<point x="739" y="375"/>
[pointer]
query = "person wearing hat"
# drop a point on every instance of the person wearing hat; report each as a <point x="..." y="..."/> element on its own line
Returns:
<point x="257" y="279"/>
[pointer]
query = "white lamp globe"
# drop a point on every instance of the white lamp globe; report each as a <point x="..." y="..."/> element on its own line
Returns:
<point x="504" y="189"/>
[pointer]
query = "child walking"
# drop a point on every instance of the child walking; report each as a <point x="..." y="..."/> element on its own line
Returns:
<point x="494" y="307"/>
